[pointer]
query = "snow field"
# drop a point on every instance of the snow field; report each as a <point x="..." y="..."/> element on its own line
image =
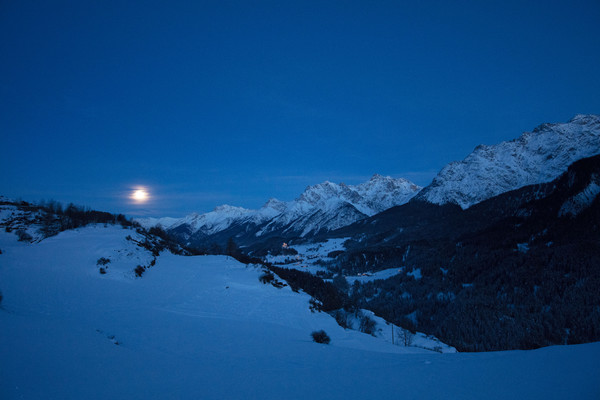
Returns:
<point x="205" y="327"/>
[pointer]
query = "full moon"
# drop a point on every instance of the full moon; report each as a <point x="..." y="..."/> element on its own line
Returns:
<point x="139" y="196"/>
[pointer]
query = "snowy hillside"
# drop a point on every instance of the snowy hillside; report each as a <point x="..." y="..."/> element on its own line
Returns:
<point x="535" y="157"/>
<point x="205" y="327"/>
<point x="325" y="206"/>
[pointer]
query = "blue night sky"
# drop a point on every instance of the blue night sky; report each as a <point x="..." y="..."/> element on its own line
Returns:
<point x="206" y="103"/>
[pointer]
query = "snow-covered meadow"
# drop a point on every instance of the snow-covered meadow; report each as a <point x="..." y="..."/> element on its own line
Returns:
<point x="206" y="327"/>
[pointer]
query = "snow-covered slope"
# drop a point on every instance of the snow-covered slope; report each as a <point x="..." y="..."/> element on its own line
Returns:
<point x="205" y="327"/>
<point x="325" y="206"/>
<point x="535" y="157"/>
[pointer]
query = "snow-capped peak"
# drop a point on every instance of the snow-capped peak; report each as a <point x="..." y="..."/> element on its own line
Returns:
<point x="217" y="220"/>
<point x="383" y="192"/>
<point x="377" y="194"/>
<point x="275" y="204"/>
<point x="324" y="206"/>
<point x="322" y="194"/>
<point x="535" y="157"/>
<point x="585" y="119"/>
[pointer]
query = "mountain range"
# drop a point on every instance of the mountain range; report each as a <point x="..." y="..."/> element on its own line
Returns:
<point x="320" y="208"/>
<point x="535" y="157"/>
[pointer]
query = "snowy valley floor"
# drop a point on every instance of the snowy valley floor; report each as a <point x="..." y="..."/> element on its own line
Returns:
<point x="205" y="328"/>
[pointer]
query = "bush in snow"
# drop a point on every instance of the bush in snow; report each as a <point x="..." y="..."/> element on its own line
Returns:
<point x="23" y="236"/>
<point x="315" y="305"/>
<point x="139" y="270"/>
<point x="102" y="261"/>
<point x="320" y="337"/>
<point x="266" y="277"/>
<point x="367" y="324"/>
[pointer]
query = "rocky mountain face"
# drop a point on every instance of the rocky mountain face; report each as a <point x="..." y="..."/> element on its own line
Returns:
<point x="535" y="157"/>
<point x="320" y="208"/>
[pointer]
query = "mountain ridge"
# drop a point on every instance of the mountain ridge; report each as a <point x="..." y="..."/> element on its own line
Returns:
<point x="322" y="207"/>
<point x="535" y="157"/>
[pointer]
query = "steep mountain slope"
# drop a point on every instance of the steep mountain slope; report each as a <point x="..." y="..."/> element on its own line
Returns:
<point x="319" y="208"/>
<point x="535" y="157"/>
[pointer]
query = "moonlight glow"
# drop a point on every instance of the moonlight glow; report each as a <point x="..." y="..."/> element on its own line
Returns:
<point x="140" y="196"/>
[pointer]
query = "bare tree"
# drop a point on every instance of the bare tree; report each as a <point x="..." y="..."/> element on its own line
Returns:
<point x="405" y="337"/>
